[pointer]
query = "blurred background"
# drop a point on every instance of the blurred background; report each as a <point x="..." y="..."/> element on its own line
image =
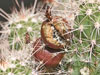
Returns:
<point x="7" y="5"/>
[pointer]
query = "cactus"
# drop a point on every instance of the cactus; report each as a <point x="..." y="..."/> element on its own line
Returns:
<point x="14" y="68"/>
<point x="85" y="45"/>
<point x="22" y="29"/>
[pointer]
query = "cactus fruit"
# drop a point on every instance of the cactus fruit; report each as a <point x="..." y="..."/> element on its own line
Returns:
<point x="53" y="31"/>
<point x="48" y="56"/>
<point x="52" y="28"/>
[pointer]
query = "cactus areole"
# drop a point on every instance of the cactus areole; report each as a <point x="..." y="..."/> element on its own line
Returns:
<point x="46" y="55"/>
<point x="54" y="31"/>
